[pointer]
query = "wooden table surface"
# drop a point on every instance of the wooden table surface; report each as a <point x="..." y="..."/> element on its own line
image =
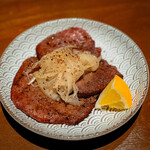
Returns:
<point x="132" y="17"/>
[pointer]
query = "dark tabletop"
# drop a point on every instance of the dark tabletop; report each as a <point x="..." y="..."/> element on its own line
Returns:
<point x="131" y="17"/>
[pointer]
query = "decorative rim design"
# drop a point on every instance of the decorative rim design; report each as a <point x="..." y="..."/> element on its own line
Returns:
<point x="117" y="48"/>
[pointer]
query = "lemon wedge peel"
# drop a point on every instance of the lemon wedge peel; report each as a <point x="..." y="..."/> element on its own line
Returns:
<point x="116" y="96"/>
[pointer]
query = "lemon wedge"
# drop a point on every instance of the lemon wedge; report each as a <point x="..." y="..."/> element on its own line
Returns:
<point x="116" y="95"/>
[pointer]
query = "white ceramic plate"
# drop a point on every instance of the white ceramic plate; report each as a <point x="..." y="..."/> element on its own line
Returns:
<point x="117" y="48"/>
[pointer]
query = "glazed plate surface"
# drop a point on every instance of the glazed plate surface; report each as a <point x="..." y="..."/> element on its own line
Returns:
<point x="117" y="48"/>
